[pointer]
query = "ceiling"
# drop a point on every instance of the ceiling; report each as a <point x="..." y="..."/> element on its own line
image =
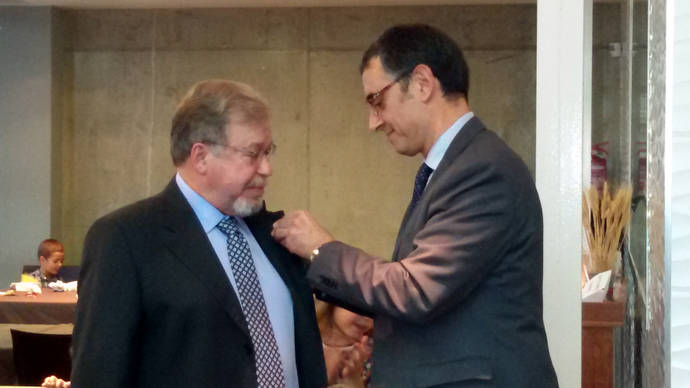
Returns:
<point x="242" y="3"/>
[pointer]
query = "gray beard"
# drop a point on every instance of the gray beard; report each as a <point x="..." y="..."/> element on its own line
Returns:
<point x="244" y="207"/>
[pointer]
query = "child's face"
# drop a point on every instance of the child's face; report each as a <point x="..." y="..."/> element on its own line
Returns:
<point x="52" y="264"/>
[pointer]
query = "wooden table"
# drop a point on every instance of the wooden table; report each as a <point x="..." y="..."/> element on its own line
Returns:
<point x="50" y="307"/>
<point x="598" y="322"/>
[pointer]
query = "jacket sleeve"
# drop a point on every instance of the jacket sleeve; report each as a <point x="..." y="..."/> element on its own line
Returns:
<point x="466" y="233"/>
<point x="105" y="332"/>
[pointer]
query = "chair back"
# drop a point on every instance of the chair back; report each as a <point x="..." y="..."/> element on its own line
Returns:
<point x="39" y="355"/>
<point x="68" y="273"/>
<point x="29" y="268"/>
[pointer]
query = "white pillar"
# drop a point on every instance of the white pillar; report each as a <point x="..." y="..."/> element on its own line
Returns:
<point x="563" y="130"/>
<point x="677" y="185"/>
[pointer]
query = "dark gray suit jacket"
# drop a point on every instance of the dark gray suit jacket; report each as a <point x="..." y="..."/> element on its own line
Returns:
<point x="156" y="308"/>
<point x="461" y="303"/>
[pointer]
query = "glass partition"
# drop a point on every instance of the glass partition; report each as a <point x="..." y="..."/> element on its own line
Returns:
<point x="619" y="132"/>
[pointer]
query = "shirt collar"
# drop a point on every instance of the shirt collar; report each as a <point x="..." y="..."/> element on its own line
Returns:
<point x="439" y="148"/>
<point x="207" y="214"/>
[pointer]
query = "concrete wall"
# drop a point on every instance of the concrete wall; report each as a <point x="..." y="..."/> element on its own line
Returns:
<point x="26" y="135"/>
<point x="126" y="70"/>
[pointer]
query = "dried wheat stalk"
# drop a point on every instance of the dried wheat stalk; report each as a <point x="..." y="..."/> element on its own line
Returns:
<point x="604" y="218"/>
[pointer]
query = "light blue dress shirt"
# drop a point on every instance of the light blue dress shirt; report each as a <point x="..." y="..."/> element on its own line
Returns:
<point x="441" y="145"/>
<point x="276" y="293"/>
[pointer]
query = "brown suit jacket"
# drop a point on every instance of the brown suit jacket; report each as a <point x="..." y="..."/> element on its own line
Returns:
<point x="460" y="305"/>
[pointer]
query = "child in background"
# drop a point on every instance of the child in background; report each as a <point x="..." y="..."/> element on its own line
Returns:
<point x="51" y="254"/>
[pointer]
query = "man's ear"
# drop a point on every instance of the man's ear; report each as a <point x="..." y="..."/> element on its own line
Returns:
<point x="424" y="82"/>
<point x="41" y="259"/>
<point x="198" y="157"/>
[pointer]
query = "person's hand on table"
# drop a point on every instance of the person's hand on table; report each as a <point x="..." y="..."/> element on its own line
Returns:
<point x="300" y="233"/>
<point x="54" y="382"/>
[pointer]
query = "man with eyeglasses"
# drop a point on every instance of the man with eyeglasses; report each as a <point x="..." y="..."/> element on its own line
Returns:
<point x="187" y="288"/>
<point x="460" y="303"/>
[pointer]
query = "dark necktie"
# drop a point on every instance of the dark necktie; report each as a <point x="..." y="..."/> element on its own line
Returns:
<point x="420" y="180"/>
<point x="269" y="369"/>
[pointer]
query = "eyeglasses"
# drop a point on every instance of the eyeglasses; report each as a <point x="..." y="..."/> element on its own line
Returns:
<point x="375" y="99"/>
<point x="254" y="156"/>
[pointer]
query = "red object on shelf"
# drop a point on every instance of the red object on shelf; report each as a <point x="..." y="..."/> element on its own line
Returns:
<point x="599" y="157"/>
<point x="641" y="181"/>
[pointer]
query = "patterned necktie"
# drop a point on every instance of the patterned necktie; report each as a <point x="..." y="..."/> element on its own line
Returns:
<point x="420" y="180"/>
<point x="269" y="369"/>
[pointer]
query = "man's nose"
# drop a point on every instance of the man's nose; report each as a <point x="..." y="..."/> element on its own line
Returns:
<point x="265" y="167"/>
<point x="375" y="121"/>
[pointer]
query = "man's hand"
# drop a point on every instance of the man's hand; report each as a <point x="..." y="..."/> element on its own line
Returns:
<point x="299" y="232"/>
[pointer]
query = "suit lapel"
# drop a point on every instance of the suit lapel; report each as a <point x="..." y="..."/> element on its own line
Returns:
<point x="396" y="250"/>
<point x="456" y="147"/>
<point x="182" y="233"/>
<point x="292" y="271"/>
<point x="260" y="225"/>
<point x="283" y="261"/>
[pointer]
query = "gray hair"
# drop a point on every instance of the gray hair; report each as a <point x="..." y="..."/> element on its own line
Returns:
<point x="202" y="115"/>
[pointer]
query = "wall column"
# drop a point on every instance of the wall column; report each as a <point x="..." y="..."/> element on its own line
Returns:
<point x="563" y="130"/>
<point x="26" y="135"/>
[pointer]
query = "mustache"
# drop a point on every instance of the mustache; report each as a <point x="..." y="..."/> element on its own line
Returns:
<point x="257" y="182"/>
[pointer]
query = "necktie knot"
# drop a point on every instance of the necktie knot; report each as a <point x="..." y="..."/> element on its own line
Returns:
<point x="228" y="225"/>
<point x="420" y="181"/>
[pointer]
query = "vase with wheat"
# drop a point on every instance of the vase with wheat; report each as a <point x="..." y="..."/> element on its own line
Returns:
<point x="605" y="217"/>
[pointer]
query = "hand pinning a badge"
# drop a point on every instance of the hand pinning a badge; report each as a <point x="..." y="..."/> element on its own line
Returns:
<point x="300" y="233"/>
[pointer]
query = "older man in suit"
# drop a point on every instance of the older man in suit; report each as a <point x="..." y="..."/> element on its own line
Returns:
<point x="460" y="304"/>
<point x="187" y="288"/>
